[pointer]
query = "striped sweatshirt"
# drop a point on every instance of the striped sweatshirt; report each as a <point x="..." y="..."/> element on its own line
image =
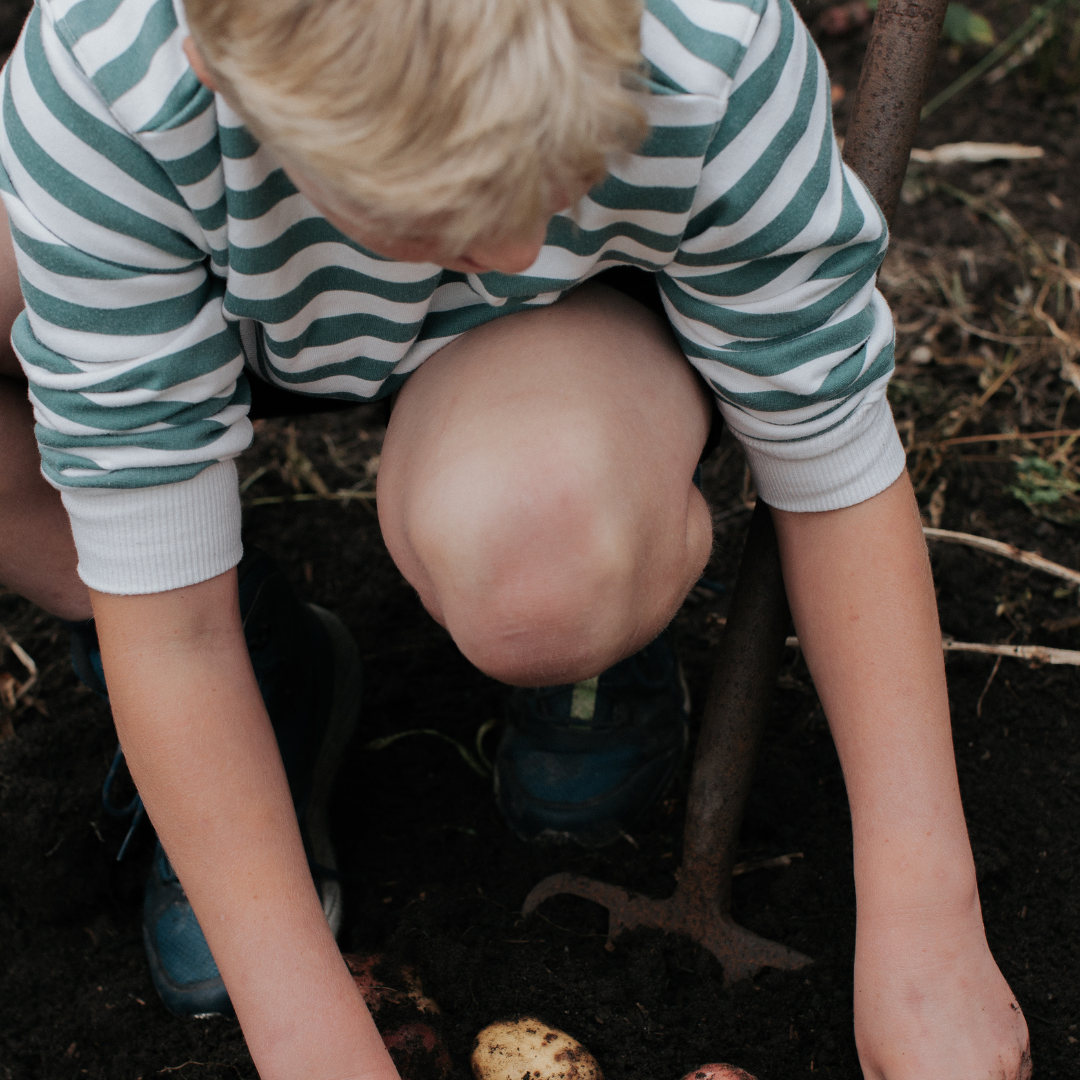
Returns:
<point x="165" y="259"/>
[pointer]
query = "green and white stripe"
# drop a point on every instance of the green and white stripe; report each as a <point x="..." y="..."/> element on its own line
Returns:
<point x="162" y="249"/>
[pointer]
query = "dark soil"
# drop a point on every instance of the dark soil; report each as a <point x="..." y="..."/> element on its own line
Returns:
<point x="437" y="880"/>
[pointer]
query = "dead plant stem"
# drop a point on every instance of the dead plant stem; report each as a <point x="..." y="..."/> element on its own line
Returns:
<point x="993" y="673"/>
<point x="1039" y="654"/>
<point x="1006" y="551"/>
<point x="1011" y="436"/>
<point x="330" y="496"/>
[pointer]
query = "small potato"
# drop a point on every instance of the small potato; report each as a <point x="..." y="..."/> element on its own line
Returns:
<point x="417" y="1052"/>
<point x="718" y="1072"/>
<point x="403" y="1015"/>
<point x="529" y="1049"/>
<point x="383" y="983"/>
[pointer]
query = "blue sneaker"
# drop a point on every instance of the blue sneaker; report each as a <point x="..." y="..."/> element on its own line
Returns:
<point x="86" y="656"/>
<point x="183" y="970"/>
<point x="307" y="667"/>
<point x="581" y="762"/>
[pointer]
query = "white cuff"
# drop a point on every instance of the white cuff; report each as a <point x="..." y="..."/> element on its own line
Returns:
<point x="148" y="540"/>
<point x="850" y="464"/>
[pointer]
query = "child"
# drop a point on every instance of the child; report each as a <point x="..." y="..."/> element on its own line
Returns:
<point x="358" y="198"/>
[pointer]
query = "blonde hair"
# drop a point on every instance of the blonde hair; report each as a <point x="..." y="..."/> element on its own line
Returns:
<point x="468" y="117"/>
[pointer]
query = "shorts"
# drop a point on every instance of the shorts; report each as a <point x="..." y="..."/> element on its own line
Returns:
<point x="271" y="402"/>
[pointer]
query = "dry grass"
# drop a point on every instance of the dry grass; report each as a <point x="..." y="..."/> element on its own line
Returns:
<point x="988" y="341"/>
<point x="355" y="460"/>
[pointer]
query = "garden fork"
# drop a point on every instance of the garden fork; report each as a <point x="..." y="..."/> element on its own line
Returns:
<point x="884" y="118"/>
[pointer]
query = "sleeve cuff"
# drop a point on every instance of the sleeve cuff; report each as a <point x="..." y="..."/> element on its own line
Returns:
<point x="850" y="464"/>
<point x="148" y="540"/>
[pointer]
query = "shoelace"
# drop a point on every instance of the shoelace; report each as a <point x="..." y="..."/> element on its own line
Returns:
<point x="134" y="809"/>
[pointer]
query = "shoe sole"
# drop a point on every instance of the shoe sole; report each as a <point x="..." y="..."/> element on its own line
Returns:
<point x="344" y="712"/>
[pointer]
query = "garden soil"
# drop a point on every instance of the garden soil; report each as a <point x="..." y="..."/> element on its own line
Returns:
<point x="433" y="877"/>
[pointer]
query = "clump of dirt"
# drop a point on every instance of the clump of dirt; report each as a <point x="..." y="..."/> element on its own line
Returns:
<point x="434" y="878"/>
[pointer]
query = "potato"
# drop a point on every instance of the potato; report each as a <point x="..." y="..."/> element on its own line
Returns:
<point x="718" y="1072"/>
<point x="417" y="1052"/>
<point x="528" y="1049"/>
<point x="384" y="983"/>
<point x="403" y="1015"/>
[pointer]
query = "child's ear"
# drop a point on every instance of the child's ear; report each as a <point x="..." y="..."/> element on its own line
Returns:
<point x="198" y="64"/>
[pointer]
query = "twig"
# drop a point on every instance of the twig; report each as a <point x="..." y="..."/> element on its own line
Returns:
<point x="989" y="335"/>
<point x="978" y="705"/>
<point x="1062" y="452"/>
<point x="477" y="767"/>
<point x="751" y="865"/>
<point x="976" y="153"/>
<point x="330" y="496"/>
<point x="1012" y="436"/>
<point x="1042" y="654"/>
<point x="1055" y="626"/>
<point x="991" y="58"/>
<point x="481" y="731"/>
<point x="1023" y="54"/>
<point x="1006" y="551"/>
<point x="1050" y="323"/>
<point x="24" y="658"/>
<point x="261" y="471"/>
<point x="204" y="1064"/>
<point x="998" y="214"/>
<point x="997" y="384"/>
<point x="299" y="467"/>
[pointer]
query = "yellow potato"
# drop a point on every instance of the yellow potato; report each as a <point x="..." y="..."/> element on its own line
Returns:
<point x="529" y="1049"/>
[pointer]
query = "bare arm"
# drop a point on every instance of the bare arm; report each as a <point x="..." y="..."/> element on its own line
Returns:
<point x="863" y="602"/>
<point x="930" y="1002"/>
<point x="202" y="752"/>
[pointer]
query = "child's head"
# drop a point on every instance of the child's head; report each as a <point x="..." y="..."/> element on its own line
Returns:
<point x="461" y="118"/>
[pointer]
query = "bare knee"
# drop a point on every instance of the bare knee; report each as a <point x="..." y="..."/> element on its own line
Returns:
<point x="531" y="598"/>
<point x="534" y="487"/>
<point x="552" y="573"/>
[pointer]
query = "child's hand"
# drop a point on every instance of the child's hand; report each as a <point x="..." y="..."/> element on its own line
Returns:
<point x="931" y="1004"/>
